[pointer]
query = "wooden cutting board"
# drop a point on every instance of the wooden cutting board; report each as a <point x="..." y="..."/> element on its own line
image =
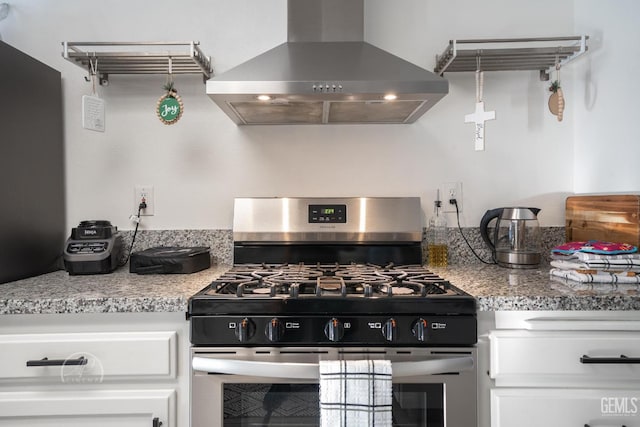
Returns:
<point x="612" y="218"/>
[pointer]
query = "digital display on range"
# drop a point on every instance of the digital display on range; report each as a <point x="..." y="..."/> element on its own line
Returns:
<point x="328" y="214"/>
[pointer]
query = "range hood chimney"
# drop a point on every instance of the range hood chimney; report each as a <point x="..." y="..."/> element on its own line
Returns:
<point x="326" y="74"/>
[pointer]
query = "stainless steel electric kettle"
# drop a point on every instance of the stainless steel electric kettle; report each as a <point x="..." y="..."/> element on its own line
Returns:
<point x="516" y="238"/>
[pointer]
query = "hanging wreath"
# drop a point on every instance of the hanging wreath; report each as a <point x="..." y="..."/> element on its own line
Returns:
<point x="170" y="106"/>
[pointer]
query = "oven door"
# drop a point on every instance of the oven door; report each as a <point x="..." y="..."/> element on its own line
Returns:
<point x="233" y="387"/>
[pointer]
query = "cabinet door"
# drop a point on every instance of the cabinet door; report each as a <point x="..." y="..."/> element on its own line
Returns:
<point x="565" y="358"/>
<point x="99" y="356"/>
<point x="88" y="408"/>
<point x="564" y="408"/>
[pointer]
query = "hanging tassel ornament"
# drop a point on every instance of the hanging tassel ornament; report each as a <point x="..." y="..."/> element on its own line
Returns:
<point x="556" y="100"/>
<point x="170" y="106"/>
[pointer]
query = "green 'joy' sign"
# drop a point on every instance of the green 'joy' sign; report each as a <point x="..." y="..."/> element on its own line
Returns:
<point x="169" y="109"/>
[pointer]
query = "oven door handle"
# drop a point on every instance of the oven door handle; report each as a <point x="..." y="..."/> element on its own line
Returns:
<point x="305" y="371"/>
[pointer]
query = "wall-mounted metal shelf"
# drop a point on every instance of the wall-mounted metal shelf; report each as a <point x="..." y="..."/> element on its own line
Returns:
<point x="100" y="58"/>
<point x="541" y="54"/>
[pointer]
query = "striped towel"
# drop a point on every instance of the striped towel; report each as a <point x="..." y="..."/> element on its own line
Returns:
<point x="583" y="266"/>
<point x="596" y="276"/>
<point x="582" y="260"/>
<point x="355" y="393"/>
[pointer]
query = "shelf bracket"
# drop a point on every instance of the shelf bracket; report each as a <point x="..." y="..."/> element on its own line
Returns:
<point x="544" y="75"/>
<point x="562" y="61"/>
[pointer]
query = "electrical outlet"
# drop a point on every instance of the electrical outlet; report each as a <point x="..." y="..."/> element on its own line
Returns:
<point x="448" y="191"/>
<point x="144" y="192"/>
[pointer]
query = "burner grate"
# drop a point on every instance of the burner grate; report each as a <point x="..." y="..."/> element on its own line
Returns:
<point x="329" y="280"/>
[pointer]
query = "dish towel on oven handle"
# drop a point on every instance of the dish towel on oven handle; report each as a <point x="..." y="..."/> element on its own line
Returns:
<point x="355" y="393"/>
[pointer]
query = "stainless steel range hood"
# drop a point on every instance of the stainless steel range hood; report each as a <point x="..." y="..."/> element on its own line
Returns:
<point x="326" y="74"/>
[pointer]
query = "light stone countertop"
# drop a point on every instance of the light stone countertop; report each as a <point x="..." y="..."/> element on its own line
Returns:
<point x="495" y="289"/>
<point x="119" y="291"/>
<point x="503" y="289"/>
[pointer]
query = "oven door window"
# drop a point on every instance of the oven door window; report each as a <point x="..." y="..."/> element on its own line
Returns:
<point x="282" y="404"/>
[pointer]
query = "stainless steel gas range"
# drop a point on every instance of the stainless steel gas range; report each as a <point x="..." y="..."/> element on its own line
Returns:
<point x="328" y="279"/>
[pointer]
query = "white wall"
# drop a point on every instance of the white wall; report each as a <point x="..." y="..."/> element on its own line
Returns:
<point x="607" y="147"/>
<point x="199" y="164"/>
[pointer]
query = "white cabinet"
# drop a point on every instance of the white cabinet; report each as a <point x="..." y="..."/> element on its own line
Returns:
<point x="565" y="358"/>
<point x="102" y="356"/>
<point x="551" y="407"/>
<point x="94" y="370"/>
<point x="565" y="369"/>
<point x="95" y="408"/>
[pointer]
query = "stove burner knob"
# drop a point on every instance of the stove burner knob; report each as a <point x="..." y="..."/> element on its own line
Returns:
<point x="419" y="329"/>
<point x="389" y="329"/>
<point x="334" y="330"/>
<point x="245" y="329"/>
<point x="274" y="330"/>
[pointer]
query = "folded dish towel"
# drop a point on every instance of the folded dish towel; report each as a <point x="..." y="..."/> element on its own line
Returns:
<point x="595" y="276"/>
<point x="627" y="262"/>
<point x="614" y="266"/>
<point x="594" y="247"/>
<point x="355" y="393"/>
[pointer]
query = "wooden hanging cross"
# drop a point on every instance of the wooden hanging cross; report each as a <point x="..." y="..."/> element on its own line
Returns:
<point x="479" y="116"/>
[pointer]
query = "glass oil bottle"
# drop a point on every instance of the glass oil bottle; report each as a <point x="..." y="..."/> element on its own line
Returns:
<point x="438" y="250"/>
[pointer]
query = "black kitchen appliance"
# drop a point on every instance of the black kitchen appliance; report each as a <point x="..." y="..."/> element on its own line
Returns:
<point x="94" y="247"/>
<point x="32" y="167"/>
<point x="329" y="278"/>
<point x="329" y="304"/>
<point x="170" y="260"/>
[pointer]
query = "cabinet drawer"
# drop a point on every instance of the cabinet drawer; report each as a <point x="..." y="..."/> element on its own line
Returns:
<point x="88" y="357"/>
<point x="88" y="408"/>
<point x="538" y="358"/>
<point x="562" y="408"/>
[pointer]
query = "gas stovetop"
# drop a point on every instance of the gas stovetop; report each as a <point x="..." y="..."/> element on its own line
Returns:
<point x="329" y="281"/>
<point x="320" y="272"/>
<point x="321" y="304"/>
